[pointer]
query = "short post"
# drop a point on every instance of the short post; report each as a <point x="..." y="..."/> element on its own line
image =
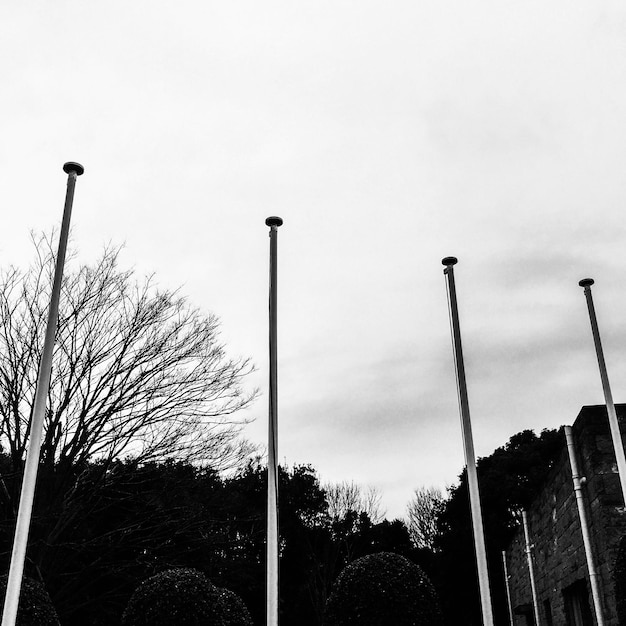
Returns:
<point x="531" y="567"/>
<point x="584" y="525"/>
<point x="508" y="587"/>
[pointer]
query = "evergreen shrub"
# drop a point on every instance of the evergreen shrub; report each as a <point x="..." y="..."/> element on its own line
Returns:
<point x="180" y="597"/>
<point x="35" y="607"/>
<point x="382" y="589"/>
<point x="619" y="579"/>
<point x="234" y="611"/>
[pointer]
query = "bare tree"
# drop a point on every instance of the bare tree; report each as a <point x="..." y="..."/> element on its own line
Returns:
<point x="137" y="371"/>
<point x="348" y="496"/>
<point x="422" y="513"/>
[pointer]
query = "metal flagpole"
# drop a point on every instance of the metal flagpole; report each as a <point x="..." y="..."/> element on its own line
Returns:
<point x="22" y="526"/>
<point x="468" y="446"/>
<point x="272" y="455"/>
<point x="531" y="568"/>
<point x="608" y="396"/>
<point x="584" y="525"/>
<point x="508" y="587"/>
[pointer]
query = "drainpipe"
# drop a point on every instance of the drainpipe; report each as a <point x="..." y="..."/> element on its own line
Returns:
<point x="508" y="587"/>
<point x="584" y="525"/>
<point x="531" y="569"/>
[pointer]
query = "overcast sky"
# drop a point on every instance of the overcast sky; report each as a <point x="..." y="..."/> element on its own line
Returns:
<point x="387" y="135"/>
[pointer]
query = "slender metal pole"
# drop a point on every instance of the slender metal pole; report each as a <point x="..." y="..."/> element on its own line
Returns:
<point x="608" y="396"/>
<point x="468" y="446"/>
<point x="508" y="587"/>
<point x="24" y="514"/>
<point x="272" y="456"/>
<point x="531" y="568"/>
<point x="584" y="525"/>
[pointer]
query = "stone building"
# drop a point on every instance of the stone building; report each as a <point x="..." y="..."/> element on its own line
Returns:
<point x="561" y="574"/>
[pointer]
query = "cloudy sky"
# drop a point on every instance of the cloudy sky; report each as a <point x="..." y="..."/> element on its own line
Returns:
<point x="387" y="135"/>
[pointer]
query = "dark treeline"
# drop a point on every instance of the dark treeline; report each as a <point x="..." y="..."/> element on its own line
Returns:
<point x="508" y="480"/>
<point x="121" y="522"/>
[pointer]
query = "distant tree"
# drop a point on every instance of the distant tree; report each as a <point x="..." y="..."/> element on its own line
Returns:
<point x="136" y="370"/>
<point x="348" y="496"/>
<point x="422" y="513"/>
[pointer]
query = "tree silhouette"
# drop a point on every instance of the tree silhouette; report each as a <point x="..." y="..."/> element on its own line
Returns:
<point x="508" y="479"/>
<point x="136" y="370"/>
<point x="422" y="513"/>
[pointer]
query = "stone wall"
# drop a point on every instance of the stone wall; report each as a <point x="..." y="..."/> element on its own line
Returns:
<point x="555" y="532"/>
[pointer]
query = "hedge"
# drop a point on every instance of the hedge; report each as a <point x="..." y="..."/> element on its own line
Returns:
<point x="234" y="611"/>
<point x="184" y="597"/>
<point x="35" y="607"/>
<point x="619" y="578"/>
<point x="382" y="589"/>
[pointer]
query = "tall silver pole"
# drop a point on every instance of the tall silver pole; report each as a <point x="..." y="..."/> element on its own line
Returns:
<point x="24" y="514"/>
<point x="608" y="396"/>
<point x="531" y="568"/>
<point x="584" y="525"/>
<point x="468" y="446"/>
<point x="508" y="587"/>
<point x="272" y="455"/>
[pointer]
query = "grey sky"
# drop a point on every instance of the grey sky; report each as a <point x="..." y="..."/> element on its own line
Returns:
<point x="387" y="135"/>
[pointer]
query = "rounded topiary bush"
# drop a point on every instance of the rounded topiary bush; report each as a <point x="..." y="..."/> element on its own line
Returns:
<point x="234" y="611"/>
<point x="181" y="597"/>
<point x="35" y="607"/>
<point x="382" y="589"/>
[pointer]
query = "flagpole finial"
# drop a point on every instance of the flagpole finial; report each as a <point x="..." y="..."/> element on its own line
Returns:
<point x="586" y="282"/>
<point x="449" y="261"/>
<point x="72" y="166"/>
<point x="274" y="221"/>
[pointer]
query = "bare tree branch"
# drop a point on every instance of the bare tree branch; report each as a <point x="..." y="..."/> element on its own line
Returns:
<point x="348" y="496"/>
<point x="136" y="370"/>
<point x="422" y="513"/>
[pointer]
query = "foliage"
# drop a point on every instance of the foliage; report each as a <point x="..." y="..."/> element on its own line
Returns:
<point x="301" y="515"/>
<point x="234" y="611"/>
<point x="619" y="580"/>
<point x="35" y="607"/>
<point x="380" y="590"/>
<point x="120" y="525"/>
<point x="422" y="513"/>
<point x="508" y="479"/>
<point x="125" y="521"/>
<point x="178" y="596"/>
